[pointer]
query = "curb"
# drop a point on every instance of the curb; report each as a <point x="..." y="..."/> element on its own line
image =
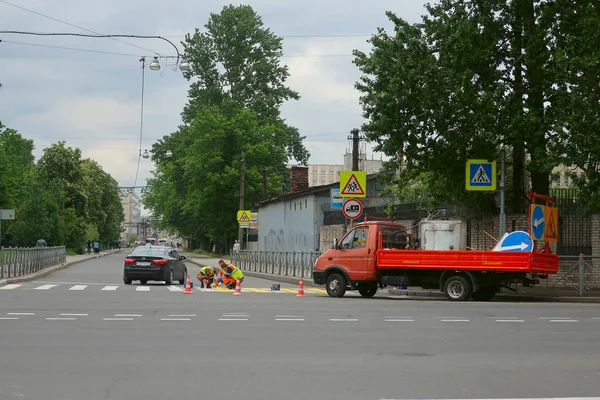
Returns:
<point x="47" y="271"/>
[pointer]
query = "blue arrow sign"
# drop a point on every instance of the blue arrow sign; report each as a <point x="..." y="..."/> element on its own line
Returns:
<point x="538" y="224"/>
<point x="517" y="241"/>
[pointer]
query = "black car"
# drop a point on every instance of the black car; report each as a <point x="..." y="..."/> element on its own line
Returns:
<point x="154" y="263"/>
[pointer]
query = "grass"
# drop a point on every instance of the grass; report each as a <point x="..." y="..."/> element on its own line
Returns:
<point x="71" y="252"/>
<point x="206" y="253"/>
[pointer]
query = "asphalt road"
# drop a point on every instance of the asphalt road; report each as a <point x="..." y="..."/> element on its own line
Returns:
<point x="61" y="343"/>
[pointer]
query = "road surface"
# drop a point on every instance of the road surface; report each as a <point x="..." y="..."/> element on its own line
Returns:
<point x="81" y="334"/>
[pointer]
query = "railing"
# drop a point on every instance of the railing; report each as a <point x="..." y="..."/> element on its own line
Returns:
<point x="283" y="263"/>
<point x="577" y="273"/>
<point x="19" y="261"/>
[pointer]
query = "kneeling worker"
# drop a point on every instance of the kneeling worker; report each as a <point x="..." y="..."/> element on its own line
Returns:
<point x="231" y="274"/>
<point x="206" y="276"/>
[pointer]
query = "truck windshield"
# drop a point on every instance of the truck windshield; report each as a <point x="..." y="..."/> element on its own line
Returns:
<point x="393" y="237"/>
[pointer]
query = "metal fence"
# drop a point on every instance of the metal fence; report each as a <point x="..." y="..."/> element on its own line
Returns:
<point x="576" y="274"/>
<point x="19" y="261"/>
<point x="282" y="263"/>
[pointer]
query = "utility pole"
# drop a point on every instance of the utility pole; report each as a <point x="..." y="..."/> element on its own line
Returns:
<point x="264" y="184"/>
<point x="355" y="137"/>
<point x="502" y="192"/>
<point x="242" y="183"/>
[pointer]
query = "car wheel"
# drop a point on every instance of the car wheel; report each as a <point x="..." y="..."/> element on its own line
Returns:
<point x="184" y="277"/>
<point x="127" y="281"/>
<point x="169" y="280"/>
<point x="336" y="285"/>
<point x="367" y="290"/>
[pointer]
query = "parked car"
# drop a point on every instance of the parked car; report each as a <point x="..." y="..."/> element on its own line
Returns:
<point x="154" y="263"/>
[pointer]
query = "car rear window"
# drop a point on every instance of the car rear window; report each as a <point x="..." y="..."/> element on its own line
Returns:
<point x="149" y="252"/>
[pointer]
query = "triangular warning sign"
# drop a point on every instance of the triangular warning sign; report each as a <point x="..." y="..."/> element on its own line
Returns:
<point x="353" y="187"/>
<point x="244" y="218"/>
<point x="551" y="230"/>
<point x="481" y="176"/>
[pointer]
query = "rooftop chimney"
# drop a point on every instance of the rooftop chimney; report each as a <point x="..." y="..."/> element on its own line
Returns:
<point x="299" y="178"/>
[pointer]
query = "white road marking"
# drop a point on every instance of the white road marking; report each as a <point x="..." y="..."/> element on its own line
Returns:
<point x="448" y="317"/>
<point x="142" y="289"/>
<point x="343" y="319"/>
<point x="564" y="320"/>
<point x="110" y="288"/>
<point x="20" y="313"/>
<point x="61" y="319"/>
<point x="455" y="320"/>
<point x="399" y="320"/>
<point x="554" y="318"/>
<point x="117" y="319"/>
<point x="289" y="319"/>
<point x="394" y="317"/>
<point x="78" y="287"/>
<point x="233" y="319"/>
<point x="182" y="315"/>
<point x="236" y="315"/>
<point x="526" y="398"/>
<point x="594" y="317"/>
<point x="510" y="320"/>
<point x="173" y="288"/>
<point x="44" y="287"/>
<point x="128" y="315"/>
<point x="10" y="286"/>
<point x="175" y="319"/>
<point x="5" y="318"/>
<point x="502" y="317"/>
<point x="289" y="316"/>
<point x="74" y="315"/>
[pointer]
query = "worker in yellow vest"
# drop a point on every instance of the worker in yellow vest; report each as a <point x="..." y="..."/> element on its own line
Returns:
<point x="231" y="274"/>
<point x="206" y="276"/>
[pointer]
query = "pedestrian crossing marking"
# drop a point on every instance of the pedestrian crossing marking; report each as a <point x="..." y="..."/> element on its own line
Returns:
<point x="481" y="176"/>
<point x="10" y="286"/>
<point x="174" y="288"/>
<point x="110" y="288"/>
<point x="44" y="287"/>
<point x="142" y="289"/>
<point x="78" y="287"/>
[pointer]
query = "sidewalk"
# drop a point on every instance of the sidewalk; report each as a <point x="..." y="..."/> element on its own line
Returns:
<point x="70" y="260"/>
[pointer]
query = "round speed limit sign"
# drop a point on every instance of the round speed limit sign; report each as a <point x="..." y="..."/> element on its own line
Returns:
<point x="352" y="208"/>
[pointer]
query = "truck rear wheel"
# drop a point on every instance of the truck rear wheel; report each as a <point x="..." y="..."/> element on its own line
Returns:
<point x="458" y="288"/>
<point x="336" y="285"/>
<point x="367" y="290"/>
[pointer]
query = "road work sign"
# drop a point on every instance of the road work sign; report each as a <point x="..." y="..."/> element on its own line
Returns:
<point x="551" y="231"/>
<point x="353" y="184"/>
<point x="481" y="175"/>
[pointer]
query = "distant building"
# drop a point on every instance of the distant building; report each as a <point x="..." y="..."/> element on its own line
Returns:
<point x="132" y="210"/>
<point x="562" y="176"/>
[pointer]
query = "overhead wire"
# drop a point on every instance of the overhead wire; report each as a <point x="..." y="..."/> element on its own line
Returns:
<point x="137" y="170"/>
<point x="73" y="25"/>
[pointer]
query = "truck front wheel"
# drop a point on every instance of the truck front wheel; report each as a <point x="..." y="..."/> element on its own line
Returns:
<point x="336" y="285"/>
<point x="367" y="290"/>
<point x="458" y="288"/>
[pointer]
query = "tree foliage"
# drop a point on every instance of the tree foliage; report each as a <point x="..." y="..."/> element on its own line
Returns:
<point x="233" y="111"/>
<point x="472" y="77"/>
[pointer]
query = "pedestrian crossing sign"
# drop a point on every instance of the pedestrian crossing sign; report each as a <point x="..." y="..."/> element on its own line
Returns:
<point x="353" y="184"/>
<point x="481" y="175"/>
<point x="243" y="216"/>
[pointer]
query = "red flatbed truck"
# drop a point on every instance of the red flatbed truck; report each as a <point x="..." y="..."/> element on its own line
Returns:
<point x="374" y="255"/>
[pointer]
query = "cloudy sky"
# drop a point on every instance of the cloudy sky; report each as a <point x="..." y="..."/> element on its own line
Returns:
<point x="92" y="100"/>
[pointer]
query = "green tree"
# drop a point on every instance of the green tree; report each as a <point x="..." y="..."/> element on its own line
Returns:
<point x="238" y="60"/>
<point x="472" y="77"/>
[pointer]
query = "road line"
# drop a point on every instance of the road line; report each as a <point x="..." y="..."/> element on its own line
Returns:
<point x="44" y="287"/>
<point x="110" y="288"/>
<point x="74" y="315"/>
<point x="61" y="319"/>
<point x="288" y="290"/>
<point x="5" y="318"/>
<point x="594" y="317"/>
<point x="454" y="320"/>
<point x="20" y="313"/>
<point x="78" y="287"/>
<point x="233" y="319"/>
<point x="173" y="288"/>
<point x="554" y="318"/>
<point x="316" y="290"/>
<point x="10" y="286"/>
<point x="526" y="398"/>
<point x="236" y="315"/>
<point x="289" y="316"/>
<point x="128" y="315"/>
<point x="564" y="320"/>
<point x="502" y="317"/>
<point x="175" y="319"/>
<point x="117" y="319"/>
<point x="343" y="319"/>
<point x="256" y="290"/>
<point x="510" y="320"/>
<point x="289" y="319"/>
<point x="142" y="289"/>
<point x="394" y="317"/>
<point x="182" y="315"/>
<point x="448" y="317"/>
<point x="399" y="320"/>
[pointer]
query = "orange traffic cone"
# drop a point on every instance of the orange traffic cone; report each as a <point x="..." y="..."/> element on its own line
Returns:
<point x="238" y="290"/>
<point x="188" y="286"/>
<point x="300" y="288"/>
